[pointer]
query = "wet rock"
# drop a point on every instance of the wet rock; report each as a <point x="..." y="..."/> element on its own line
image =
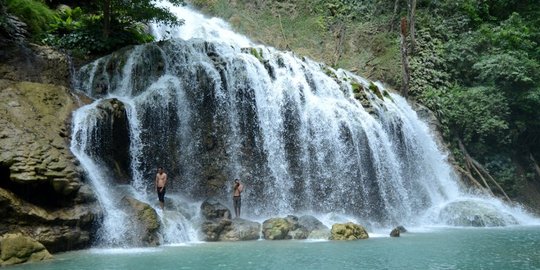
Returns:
<point x="284" y="228"/>
<point x="217" y="225"/>
<point x="16" y="248"/>
<point x="323" y="234"/>
<point x="395" y="232"/>
<point x="240" y="230"/>
<point x="474" y="214"/>
<point x="348" y="231"/>
<point x="311" y="223"/>
<point x="212" y="210"/>
<point x="59" y="230"/>
<point x="112" y="139"/>
<point x="146" y="221"/>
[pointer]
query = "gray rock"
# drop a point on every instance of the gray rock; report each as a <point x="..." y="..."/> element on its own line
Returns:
<point x="395" y="232"/>
<point x="474" y="214"/>
<point x="241" y="230"/>
<point x="212" y="209"/>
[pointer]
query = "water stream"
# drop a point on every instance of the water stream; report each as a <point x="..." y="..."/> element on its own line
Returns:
<point x="210" y="106"/>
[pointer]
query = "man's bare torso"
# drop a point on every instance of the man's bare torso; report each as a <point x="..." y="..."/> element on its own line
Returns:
<point x="161" y="179"/>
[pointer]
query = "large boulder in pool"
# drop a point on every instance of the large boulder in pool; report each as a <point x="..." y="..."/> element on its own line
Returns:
<point x="348" y="231"/>
<point x="217" y="225"/>
<point x="147" y="221"/>
<point x="241" y="230"/>
<point x="474" y="214"/>
<point x="284" y="228"/>
<point x="316" y="229"/>
<point x="17" y="248"/>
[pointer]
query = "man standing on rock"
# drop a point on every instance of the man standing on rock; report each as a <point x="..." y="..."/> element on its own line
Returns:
<point x="237" y="199"/>
<point x="161" y="181"/>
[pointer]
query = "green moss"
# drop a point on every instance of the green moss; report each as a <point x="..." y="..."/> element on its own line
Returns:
<point x="257" y="53"/>
<point x="356" y="87"/>
<point x="330" y="73"/>
<point x="375" y="90"/>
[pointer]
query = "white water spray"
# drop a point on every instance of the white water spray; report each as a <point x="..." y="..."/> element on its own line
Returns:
<point x="295" y="131"/>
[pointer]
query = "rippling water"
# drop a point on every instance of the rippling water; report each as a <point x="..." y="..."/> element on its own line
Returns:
<point x="434" y="248"/>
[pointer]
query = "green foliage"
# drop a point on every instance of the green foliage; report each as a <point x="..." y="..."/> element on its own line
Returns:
<point x="35" y="14"/>
<point x="83" y="31"/>
<point x="142" y="11"/>
<point x="504" y="171"/>
<point x="477" y="114"/>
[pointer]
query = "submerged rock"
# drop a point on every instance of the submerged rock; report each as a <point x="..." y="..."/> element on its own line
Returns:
<point x="474" y="214"/>
<point x="348" y="231"/>
<point x="16" y="248"/>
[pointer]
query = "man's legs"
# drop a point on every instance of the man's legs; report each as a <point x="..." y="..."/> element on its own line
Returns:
<point x="161" y="198"/>
<point x="237" y="201"/>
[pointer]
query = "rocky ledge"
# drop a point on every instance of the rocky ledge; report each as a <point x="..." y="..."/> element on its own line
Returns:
<point x="42" y="193"/>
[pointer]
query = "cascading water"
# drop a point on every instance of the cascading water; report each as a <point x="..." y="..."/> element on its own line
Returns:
<point x="302" y="136"/>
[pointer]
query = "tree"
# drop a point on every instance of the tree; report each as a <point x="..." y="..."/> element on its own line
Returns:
<point x="121" y="13"/>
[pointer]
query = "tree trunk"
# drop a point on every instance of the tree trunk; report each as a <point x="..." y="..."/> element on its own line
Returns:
<point x="471" y="178"/>
<point x="404" y="61"/>
<point x="340" y="37"/>
<point x="412" y="33"/>
<point x="535" y="164"/>
<point x="480" y="169"/>
<point x="106" y="18"/>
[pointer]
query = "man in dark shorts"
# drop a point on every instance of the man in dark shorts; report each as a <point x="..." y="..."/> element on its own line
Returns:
<point x="237" y="199"/>
<point x="161" y="181"/>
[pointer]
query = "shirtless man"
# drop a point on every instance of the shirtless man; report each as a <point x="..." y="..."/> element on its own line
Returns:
<point x="237" y="200"/>
<point x="161" y="181"/>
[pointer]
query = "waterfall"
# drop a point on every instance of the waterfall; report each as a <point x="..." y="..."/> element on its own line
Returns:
<point x="210" y="106"/>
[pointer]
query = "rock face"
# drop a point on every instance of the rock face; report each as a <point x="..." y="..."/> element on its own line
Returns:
<point x="42" y="193"/>
<point x="17" y="248"/>
<point x="348" y="231"/>
<point x="217" y="225"/>
<point x="112" y="131"/>
<point x="147" y="221"/>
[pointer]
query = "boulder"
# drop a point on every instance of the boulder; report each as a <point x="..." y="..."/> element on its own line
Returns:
<point x="147" y="221"/>
<point x="17" y="248"/>
<point x="217" y="225"/>
<point x="311" y="223"/>
<point x="475" y="214"/>
<point x="323" y="234"/>
<point x="348" y="231"/>
<point x="395" y="232"/>
<point x="212" y="229"/>
<point x="241" y="230"/>
<point x="284" y="228"/>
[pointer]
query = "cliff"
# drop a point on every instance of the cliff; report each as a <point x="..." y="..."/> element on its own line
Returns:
<point x="42" y="192"/>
